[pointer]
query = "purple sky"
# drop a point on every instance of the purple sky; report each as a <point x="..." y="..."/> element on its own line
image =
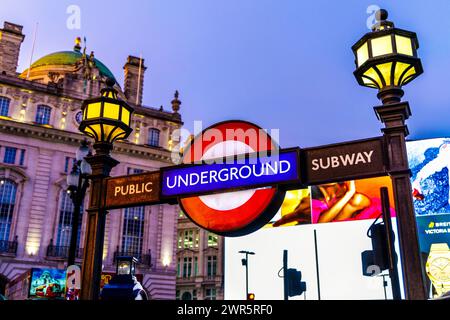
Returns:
<point x="280" y="64"/>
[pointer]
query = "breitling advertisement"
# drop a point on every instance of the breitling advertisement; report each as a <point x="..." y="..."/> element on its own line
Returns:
<point x="429" y="161"/>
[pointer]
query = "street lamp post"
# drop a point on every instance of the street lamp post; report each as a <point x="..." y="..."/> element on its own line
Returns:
<point x="78" y="183"/>
<point x="105" y="119"/>
<point x="245" y="263"/>
<point x="386" y="59"/>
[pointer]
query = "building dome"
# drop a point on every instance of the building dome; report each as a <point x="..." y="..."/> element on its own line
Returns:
<point x="65" y="60"/>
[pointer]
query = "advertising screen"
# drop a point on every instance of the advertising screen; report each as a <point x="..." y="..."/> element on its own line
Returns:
<point x="338" y="272"/>
<point x="429" y="161"/>
<point x="47" y="283"/>
<point x="334" y="202"/>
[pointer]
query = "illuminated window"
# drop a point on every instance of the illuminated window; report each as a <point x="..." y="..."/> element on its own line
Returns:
<point x="188" y="239"/>
<point x="43" y="114"/>
<point x="211" y="267"/>
<point x="4" y="106"/>
<point x="210" y="294"/>
<point x="8" y="189"/>
<point x="66" y="209"/>
<point x="10" y="155"/>
<point x="153" y="137"/>
<point x="212" y="239"/>
<point x="133" y="231"/>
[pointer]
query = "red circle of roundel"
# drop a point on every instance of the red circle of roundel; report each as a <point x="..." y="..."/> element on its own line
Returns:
<point x="252" y="214"/>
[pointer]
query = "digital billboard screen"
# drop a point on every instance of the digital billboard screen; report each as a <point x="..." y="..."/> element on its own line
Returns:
<point x="429" y="161"/>
<point x="47" y="283"/>
<point x="355" y="204"/>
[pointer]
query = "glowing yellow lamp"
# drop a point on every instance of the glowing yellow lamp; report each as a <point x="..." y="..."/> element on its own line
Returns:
<point x="386" y="58"/>
<point x="106" y="118"/>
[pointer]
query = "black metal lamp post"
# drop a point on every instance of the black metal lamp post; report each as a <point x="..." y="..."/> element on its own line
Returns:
<point x="78" y="182"/>
<point x="105" y="119"/>
<point x="386" y="59"/>
<point x="245" y="263"/>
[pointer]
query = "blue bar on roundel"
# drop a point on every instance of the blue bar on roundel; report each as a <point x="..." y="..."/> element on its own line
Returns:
<point x="251" y="172"/>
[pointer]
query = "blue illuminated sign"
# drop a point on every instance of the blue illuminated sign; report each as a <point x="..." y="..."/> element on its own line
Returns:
<point x="242" y="173"/>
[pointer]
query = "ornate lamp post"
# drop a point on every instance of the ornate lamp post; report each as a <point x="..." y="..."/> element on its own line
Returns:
<point x="386" y="59"/>
<point x="78" y="183"/>
<point x="105" y="119"/>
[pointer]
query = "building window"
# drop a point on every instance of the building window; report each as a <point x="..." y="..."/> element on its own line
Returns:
<point x="69" y="164"/>
<point x="177" y="295"/>
<point x="186" y="296"/>
<point x="195" y="266"/>
<point x="210" y="294"/>
<point x="188" y="239"/>
<point x="43" y="114"/>
<point x="133" y="231"/>
<point x="212" y="239"/>
<point x="211" y="267"/>
<point x="194" y="294"/>
<point x="10" y="155"/>
<point x="134" y="170"/>
<point x="4" y="106"/>
<point x="66" y="209"/>
<point x="187" y="267"/>
<point x="179" y="267"/>
<point x="22" y="157"/>
<point x="153" y="137"/>
<point x="8" y="191"/>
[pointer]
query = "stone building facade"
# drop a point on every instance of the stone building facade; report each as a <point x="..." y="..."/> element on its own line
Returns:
<point x="200" y="262"/>
<point x="39" y="117"/>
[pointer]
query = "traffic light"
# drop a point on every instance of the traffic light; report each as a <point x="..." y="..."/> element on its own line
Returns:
<point x="251" y="296"/>
<point x="377" y="257"/>
<point x="294" y="282"/>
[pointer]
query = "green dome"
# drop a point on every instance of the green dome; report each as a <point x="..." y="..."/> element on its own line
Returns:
<point x="70" y="58"/>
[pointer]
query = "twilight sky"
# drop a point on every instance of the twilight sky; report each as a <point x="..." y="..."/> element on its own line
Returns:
<point x="281" y="64"/>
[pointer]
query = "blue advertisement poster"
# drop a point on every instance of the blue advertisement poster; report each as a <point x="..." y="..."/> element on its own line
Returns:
<point x="429" y="161"/>
<point x="47" y="283"/>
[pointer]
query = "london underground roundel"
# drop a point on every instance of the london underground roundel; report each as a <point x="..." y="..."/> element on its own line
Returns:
<point x="233" y="213"/>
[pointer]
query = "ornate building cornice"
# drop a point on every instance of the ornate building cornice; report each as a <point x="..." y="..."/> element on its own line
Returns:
<point x="71" y="138"/>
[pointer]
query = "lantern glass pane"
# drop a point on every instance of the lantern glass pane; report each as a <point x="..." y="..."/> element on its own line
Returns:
<point x="403" y="45"/>
<point x="399" y="69"/>
<point x="93" y="110"/>
<point x="381" y="46"/>
<point x="96" y="130"/>
<point x="121" y="135"/>
<point x="125" y="116"/>
<point x="111" y="110"/>
<point x="371" y="73"/>
<point x="407" y="77"/>
<point x="362" y="54"/>
<point x="107" y="129"/>
<point x="368" y="83"/>
<point x="124" y="267"/>
<point x="385" y="70"/>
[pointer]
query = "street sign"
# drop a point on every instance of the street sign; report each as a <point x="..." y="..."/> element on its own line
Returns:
<point x="344" y="161"/>
<point x="233" y="173"/>
<point x="238" y="212"/>
<point x="133" y="190"/>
